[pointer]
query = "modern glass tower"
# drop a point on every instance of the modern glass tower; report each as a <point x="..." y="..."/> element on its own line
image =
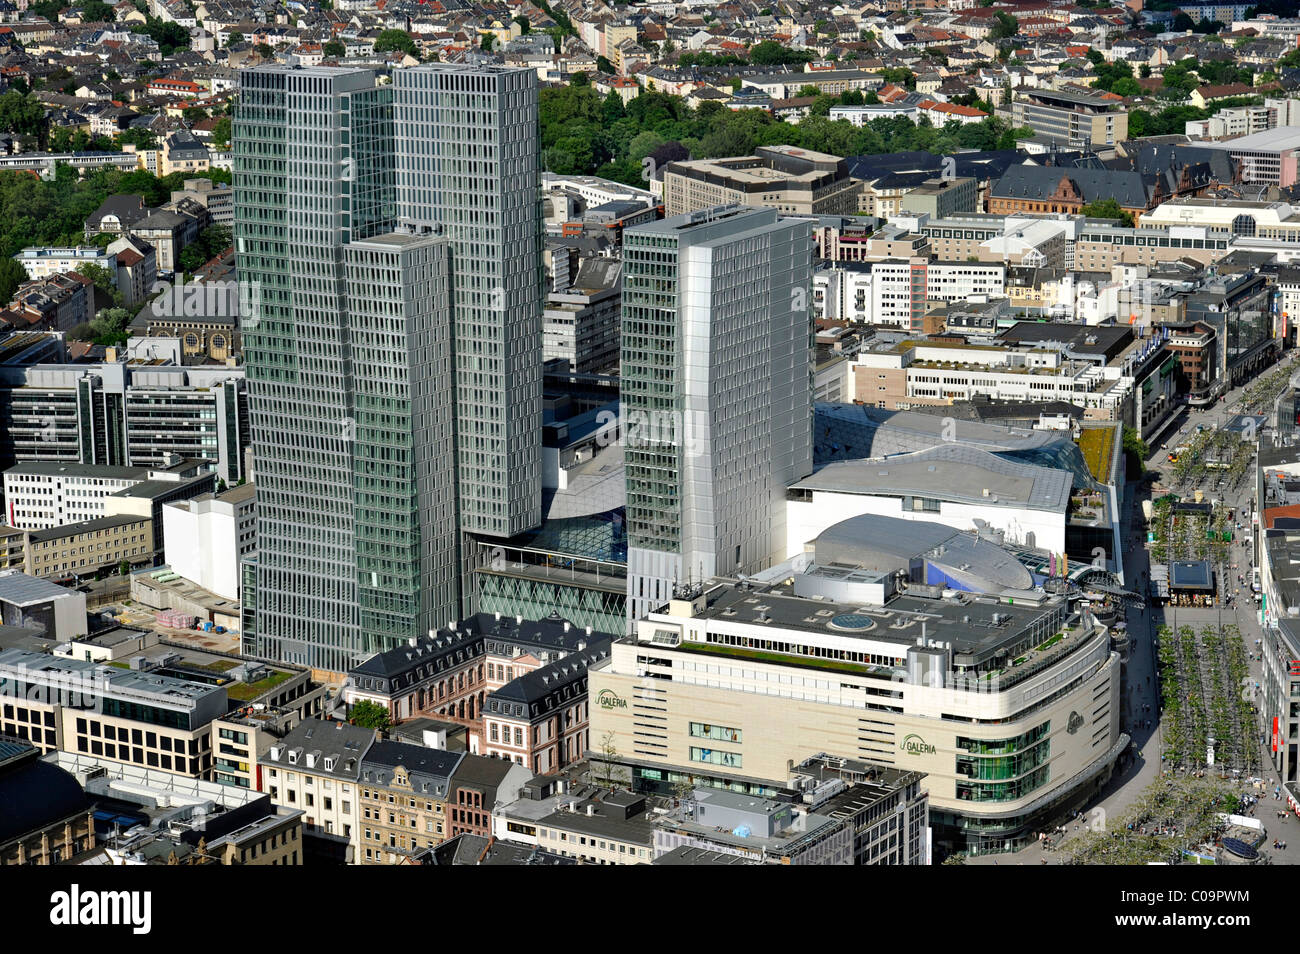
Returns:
<point x="306" y="183"/>
<point x="716" y="393"/>
<point x="468" y="164"/>
<point x="403" y="452"/>
<point x="394" y="358"/>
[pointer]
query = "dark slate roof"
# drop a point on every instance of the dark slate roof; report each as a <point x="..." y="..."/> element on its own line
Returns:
<point x="1129" y="189"/>
<point x="1158" y="158"/>
<point x="467" y="849"/>
<point x="482" y="773"/>
<point x="1108" y="340"/>
<point x="535" y="686"/>
<point x="34" y="793"/>
<point x="129" y="209"/>
<point x="447" y="647"/>
<point x="1066" y="159"/>
<point x="423" y="765"/>
<point x="979" y="165"/>
<point x="347" y="744"/>
<point x="903" y="180"/>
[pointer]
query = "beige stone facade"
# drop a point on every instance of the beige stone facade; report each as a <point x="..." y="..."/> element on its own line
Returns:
<point x="82" y="548"/>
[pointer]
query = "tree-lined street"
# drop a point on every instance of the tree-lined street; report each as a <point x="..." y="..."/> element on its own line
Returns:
<point x="1164" y="799"/>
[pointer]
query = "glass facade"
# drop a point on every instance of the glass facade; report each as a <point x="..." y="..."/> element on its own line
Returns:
<point x="468" y="161"/>
<point x="715" y="757"/>
<point x="298" y="163"/>
<point x="393" y="235"/>
<point x="1016" y="766"/>
<point x="719" y="733"/>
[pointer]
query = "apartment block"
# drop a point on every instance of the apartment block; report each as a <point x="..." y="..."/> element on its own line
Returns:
<point x="1073" y="120"/>
<point x="81" y="549"/>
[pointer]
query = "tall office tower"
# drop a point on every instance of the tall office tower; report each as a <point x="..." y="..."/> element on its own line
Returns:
<point x="348" y="372"/>
<point x="716" y="393"/>
<point x="468" y="162"/>
<point x="404" y="465"/>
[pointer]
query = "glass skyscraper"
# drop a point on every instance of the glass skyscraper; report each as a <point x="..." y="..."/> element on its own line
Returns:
<point x="468" y="162"/>
<point x="369" y="383"/>
<point x="717" y="341"/>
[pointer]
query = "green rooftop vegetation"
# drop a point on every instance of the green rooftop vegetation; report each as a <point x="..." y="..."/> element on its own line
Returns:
<point x="248" y="691"/>
<point x="758" y="655"/>
<point x="1096" y="443"/>
<point x="220" y="665"/>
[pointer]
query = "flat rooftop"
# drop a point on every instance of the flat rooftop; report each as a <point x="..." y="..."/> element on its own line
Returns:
<point x="41" y="468"/>
<point x="19" y="589"/>
<point x="969" y="626"/>
<point x="954" y="472"/>
<point x="1278" y="139"/>
<point x="165" y="689"/>
<point x="1191" y="575"/>
<point x="400" y="240"/>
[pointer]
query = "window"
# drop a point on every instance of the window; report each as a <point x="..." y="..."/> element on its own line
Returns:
<point x="715" y="757"/>
<point x="719" y="733"/>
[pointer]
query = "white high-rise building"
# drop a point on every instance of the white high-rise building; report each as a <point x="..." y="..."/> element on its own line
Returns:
<point x="716" y="393"/>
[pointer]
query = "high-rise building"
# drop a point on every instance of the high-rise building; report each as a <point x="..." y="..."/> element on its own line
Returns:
<point x="403" y="449"/>
<point x="716" y="391"/>
<point x="394" y="351"/>
<point x="311" y="173"/>
<point x="468" y="164"/>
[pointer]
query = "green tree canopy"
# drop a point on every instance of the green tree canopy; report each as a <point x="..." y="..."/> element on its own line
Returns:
<point x="211" y="242"/>
<point x="170" y="37"/>
<point x="399" y="40"/>
<point x="370" y="715"/>
<point x="334" y="49"/>
<point x="1107" y="209"/>
<point x="97" y="11"/>
<point x="221" y="133"/>
<point x="1004" y="26"/>
<point x="11" y="276"/>
<point x="21" y="114"/>
<point x="105" y="281"/>
<point x="772" y="53"/>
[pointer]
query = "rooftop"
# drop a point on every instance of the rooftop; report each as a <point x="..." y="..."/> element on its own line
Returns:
<point x="19" y="589"/>
<point x="979" y="630"/>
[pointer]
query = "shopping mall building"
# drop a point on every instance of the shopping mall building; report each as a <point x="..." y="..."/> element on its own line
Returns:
<point x="902" y="643"/>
